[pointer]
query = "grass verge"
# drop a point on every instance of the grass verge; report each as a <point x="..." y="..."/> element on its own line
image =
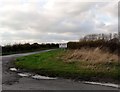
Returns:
<point x="52" y="63"/>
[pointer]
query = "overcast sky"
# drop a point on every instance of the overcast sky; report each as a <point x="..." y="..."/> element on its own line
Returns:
<point x="55" y="20"/>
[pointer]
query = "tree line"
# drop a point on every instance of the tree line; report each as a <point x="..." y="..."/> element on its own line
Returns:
<point x="112" y="45"/>
<point x="27" y="47"/>
<point x="106" y="37"/>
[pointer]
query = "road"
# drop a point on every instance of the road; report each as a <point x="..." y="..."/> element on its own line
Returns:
<point x="11" y="80"/>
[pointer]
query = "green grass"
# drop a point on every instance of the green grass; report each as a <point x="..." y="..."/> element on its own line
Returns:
<point x="51" y="64"/>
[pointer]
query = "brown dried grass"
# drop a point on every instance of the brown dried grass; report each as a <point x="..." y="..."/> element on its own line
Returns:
<point x="90" y="55"/>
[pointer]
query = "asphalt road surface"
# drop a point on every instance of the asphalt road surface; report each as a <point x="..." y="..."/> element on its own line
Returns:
<point x="11" y="80"/>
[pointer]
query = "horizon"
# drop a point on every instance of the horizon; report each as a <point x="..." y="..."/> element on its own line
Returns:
<point x="107" y="36"/>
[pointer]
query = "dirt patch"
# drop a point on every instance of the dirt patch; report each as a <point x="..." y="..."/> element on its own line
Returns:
<point x="9" y="77"/>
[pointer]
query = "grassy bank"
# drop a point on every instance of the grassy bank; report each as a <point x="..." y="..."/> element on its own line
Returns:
<point x="64" y="63"/>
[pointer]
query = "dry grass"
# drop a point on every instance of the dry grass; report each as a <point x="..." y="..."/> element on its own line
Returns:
<point x="94" y="56"/>
<point x="83" y="64"/>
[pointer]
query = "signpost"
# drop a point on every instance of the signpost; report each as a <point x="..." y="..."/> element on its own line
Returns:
<point x="63" y="45"/>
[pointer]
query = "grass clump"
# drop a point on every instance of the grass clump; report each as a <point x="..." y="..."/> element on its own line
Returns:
<point x="72" y="64"/>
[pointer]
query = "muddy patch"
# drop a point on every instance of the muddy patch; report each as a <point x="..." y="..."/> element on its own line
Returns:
<point x="34" y="76"/>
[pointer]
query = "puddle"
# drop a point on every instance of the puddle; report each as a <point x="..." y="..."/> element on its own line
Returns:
<point x="24" y="74"/>
<point x="13" y="69"/>
<point x="35" y="76"/>
<point x="104" y="84"/>
<point x="32" y="75"/>
<point x="43" y="77"/>
<point x="53" y="78"/>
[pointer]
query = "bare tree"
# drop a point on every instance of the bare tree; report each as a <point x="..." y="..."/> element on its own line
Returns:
<point x="106" y="37"/>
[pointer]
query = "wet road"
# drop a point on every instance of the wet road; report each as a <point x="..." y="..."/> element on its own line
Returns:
<point x="11" y="81"/>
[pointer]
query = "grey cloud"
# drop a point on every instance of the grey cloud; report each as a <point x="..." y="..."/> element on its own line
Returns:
<point x="56" y="21"/>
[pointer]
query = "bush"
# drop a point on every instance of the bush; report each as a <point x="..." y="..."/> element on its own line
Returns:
<point x="112" y="45"/>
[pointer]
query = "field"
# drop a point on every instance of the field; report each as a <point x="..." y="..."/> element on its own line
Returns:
<point x="83" y="64"/>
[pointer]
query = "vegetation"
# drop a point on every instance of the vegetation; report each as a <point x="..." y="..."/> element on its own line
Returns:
<point x="110" y="46"/>
<point x="95" y="57"/>
<point x="20" y="48"/>
<point x="69" y="64"/>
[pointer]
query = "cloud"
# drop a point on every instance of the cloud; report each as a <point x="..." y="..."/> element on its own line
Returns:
<point x="54" y="21"/>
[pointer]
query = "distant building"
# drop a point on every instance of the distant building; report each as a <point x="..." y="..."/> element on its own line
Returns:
<point x="63" y="45"/>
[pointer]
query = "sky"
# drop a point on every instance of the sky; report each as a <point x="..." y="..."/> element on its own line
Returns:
<point x="55" y="21"/>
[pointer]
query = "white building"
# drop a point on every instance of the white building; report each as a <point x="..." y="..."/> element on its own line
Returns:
<point x="63" y="45"/>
